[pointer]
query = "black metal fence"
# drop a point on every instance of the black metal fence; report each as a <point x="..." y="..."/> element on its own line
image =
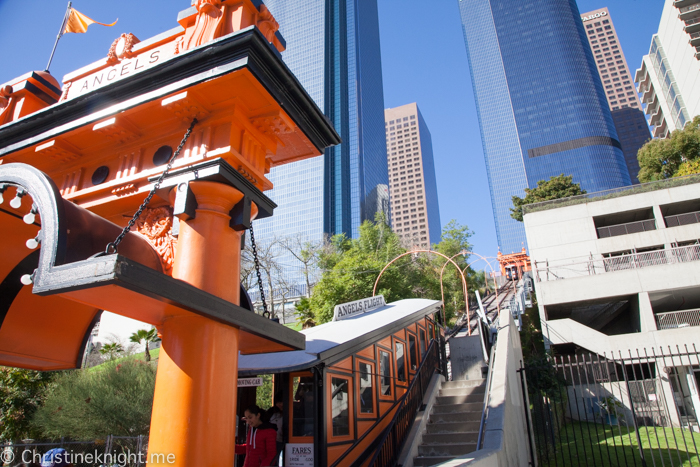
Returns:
<point x="639" y="409"/>
<point x="392" y="441"/>
<point x="113" y="451"/>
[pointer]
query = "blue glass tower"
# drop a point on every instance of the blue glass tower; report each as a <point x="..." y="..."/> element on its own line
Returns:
<point x="541" y="105"/>
<point x="333" y="49"/>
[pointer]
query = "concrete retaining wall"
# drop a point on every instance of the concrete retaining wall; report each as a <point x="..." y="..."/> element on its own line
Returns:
<point x="506" y="440"/>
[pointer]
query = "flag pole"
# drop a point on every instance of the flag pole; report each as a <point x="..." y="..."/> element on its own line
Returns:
<point x="60" y="33"/>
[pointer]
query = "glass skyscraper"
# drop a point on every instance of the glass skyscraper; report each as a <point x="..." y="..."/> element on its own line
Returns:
<point x="333" y="49"/>
<point x="541" y="105"/>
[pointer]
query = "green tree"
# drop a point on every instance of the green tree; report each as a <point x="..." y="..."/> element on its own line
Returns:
<point x="454" y="240"/>
<point x="112" y="399"/>
<point x="263" y="394"/>
<point x="21" y="393"/>
<point x="662" y="158"/>
<point x="145" y="336"/>
<point x="112" y="350"/>
<point x="350" y="267"/>
<point x="689" y="168"/>
<point x="559" y="186"/>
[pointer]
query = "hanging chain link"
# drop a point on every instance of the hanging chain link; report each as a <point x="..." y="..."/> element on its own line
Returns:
<point x="112" y="246"/>
<point x="266" y="313"/>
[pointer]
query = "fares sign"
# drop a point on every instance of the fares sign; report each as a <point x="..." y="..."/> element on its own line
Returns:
<point x="299" y="455"/>
<point x="348" y="310"/>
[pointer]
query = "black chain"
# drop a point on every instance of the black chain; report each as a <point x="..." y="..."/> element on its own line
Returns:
<point x="266" y="313"/>
<point x="112" y="246"/>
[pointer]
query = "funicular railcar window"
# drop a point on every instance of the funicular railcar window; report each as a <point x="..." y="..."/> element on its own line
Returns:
<point x="340" y="407"/>
<point x="413" y="351"/>
<point x="385" y="373"/>
<point x="366" y="396"/>
<point x="303" y="406"/>
<point x="400" y="361"/>
<point x="422" y="342"/>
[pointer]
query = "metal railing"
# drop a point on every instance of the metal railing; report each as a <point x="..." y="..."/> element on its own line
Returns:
<point x="394" y="437"/>
<point x="624" y="409"/>
<point x="627" y="228"/>
<point x="690" y="8"/>
<point x="682" y="219"/>
<point x="487" y="393"/>
<point x="678" y="319"/>
<point x="592" y="266"/>
<point x="612" y="193"/>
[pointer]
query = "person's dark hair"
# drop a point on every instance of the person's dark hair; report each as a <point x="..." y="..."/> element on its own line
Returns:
<point x="254" y="410"/>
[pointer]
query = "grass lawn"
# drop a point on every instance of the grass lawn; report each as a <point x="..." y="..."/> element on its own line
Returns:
<point x="581" y="443"/>
<point x="296" y="326"/>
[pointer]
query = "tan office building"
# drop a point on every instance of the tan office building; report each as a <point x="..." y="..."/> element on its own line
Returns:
<point x="625" y="107"/>
<point x="415" y="215"/>
<point x="611" y="63"/>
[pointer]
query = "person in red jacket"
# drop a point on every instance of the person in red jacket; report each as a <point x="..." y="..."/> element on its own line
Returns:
<point x="260" y="447"/>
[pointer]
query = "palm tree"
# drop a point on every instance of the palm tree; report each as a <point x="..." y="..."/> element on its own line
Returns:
<point x="305" y="315"/>
<point x="146" y="337"/>
<point x="112" y="349"/>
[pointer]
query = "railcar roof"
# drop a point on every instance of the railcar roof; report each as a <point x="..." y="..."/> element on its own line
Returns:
<point x="327" y="342"/>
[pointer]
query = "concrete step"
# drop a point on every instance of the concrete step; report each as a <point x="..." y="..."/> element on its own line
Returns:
<point x="463" y="383"/>
<point x="462" y="391"/>
<point x="455" y="417"/>
<point x="450" y="438"/>
<point x="461" y="399"/>
<point x="453" y="427"/>
<point x="446" y="449"/>
<point x="459" y="408"/>
<point x="430" y="460"/>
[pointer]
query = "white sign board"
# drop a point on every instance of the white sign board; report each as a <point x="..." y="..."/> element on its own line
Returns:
<point x="299" y="455"/>
<point x="249" y="382"/>
<point x="348" y="310"/>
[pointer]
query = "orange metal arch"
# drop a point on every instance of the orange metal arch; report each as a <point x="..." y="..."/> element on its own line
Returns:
<point x="464" y="280"/>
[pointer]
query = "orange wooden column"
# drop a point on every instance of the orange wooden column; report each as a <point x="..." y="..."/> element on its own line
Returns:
<point x="195" y="397"/>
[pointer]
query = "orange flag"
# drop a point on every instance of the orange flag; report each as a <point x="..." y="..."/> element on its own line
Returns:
<point x="78" y="22"/>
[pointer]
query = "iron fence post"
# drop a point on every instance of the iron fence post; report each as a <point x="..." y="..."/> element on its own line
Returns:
<point x="526" y="402"/>
<point x="634" y="415"/>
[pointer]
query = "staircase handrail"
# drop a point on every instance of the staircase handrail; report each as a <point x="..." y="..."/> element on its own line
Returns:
<point x="393" y="441"/>
<point x="487" y="392"/>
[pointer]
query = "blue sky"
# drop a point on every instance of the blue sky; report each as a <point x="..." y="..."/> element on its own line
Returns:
<point x="423" y="61"/>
